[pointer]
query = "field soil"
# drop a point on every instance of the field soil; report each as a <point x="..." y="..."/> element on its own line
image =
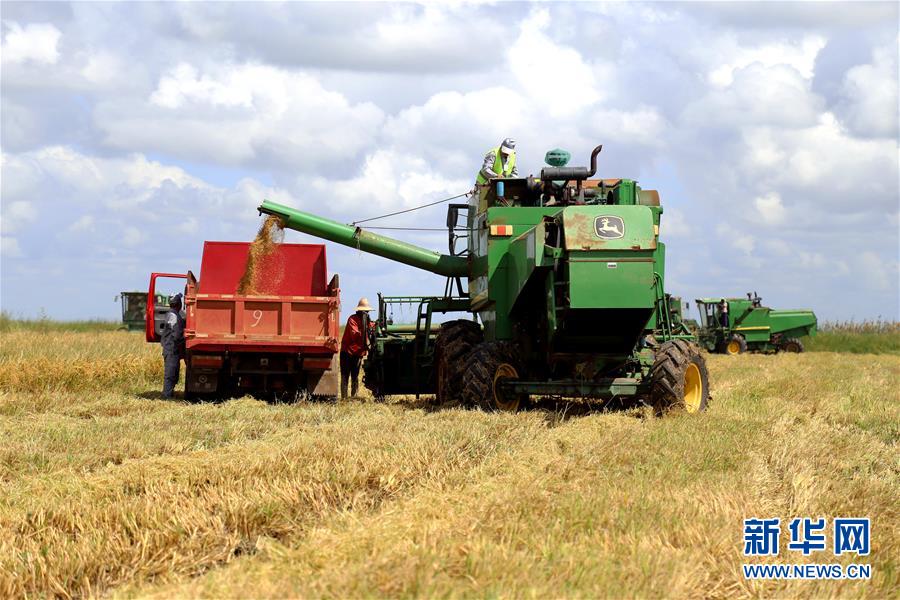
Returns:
<point x="107" y="489"/>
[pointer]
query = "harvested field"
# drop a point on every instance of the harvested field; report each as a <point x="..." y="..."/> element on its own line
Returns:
<point x="106" y="489"/>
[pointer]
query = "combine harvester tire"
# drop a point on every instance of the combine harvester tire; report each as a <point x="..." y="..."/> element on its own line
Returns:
<point x="733" y="346"/>
<point x="792" y="345"/>
<point x="455" y="340"/>
<point x="486" y="365"/>
<point x="679" y="379"/>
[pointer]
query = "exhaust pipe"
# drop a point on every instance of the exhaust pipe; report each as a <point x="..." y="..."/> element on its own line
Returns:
<point x="572" y="173"/>
<point x="594" y="154"/>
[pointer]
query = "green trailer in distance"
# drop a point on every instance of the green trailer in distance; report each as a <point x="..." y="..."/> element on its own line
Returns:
<point x="747" y="325"/>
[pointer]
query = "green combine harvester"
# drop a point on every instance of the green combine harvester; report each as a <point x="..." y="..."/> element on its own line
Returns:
<point x="747" y="325"/>
<point x="134" y="307"/>
<point x="564" y="290"/>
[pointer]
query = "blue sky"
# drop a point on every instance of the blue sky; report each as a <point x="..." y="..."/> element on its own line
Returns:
<point x="133" y="132"/>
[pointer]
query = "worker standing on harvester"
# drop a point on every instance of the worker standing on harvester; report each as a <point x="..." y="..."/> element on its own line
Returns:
<point x="723" y="312"/>
<point x="172" y="345"/>
<point x="354" y="347"/>
<point x="498" y="162"/>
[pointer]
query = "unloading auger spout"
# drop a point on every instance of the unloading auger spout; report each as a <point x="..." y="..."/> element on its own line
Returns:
<point x="366" y="241"/>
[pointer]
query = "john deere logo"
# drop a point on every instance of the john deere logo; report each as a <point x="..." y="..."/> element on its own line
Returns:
<point x="609" y="227"/>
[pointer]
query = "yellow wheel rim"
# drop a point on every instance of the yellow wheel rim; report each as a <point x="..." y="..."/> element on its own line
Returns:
<point x="733" y="347"/>
<point x="505" y="371"/>
<point x="693" y="389"/>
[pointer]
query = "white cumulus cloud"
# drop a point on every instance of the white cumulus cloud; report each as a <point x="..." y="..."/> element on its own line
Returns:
<point x="244" y="114"/>
<point x="769" y="208"/>
<point x="537" y="61"/>
<point x="870" y="104"/>
<point x="35" y="43"/>
<point x="388" y="181"/>
<point x="9" y="247"/>
<point x="800" y="55"/>
<point x="15" y="215"/>
<point x="736" y="238"/>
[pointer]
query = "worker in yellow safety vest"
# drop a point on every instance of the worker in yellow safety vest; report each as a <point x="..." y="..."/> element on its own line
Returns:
<point x="498" y="162"/>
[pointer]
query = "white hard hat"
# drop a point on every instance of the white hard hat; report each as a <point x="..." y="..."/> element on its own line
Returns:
<point x="363" y="305"/>
<point x="508" y="146"/>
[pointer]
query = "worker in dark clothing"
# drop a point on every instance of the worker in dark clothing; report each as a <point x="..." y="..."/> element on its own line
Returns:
<point x="172" y="345"/>
<point x="354" y="346"/>
<point x="723" y="313"/>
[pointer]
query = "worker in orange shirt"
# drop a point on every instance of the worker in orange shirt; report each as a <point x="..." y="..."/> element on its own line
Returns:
<point x="355" y="346"/>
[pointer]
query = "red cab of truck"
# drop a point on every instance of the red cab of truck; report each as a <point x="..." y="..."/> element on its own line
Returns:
<point x="280" y="341"/>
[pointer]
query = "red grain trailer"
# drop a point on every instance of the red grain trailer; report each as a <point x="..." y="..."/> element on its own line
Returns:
<point x="278" y="342"/>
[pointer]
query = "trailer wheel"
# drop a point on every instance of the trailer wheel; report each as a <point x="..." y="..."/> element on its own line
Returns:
<point x="224" y="388"/>
<point x="455" y="340"/>
<point x="679" y="379"/>
<point x="735" y="345"/>
<point x="792" y="345"/>
<point x="190" y="396"/>
<point x="486" y="366"/>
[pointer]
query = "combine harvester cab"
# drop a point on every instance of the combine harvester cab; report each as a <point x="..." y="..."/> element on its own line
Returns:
<point x="565" y="274"/>
<point x="752" y="327"/>
<point x="134" y="310"/>
<point x="280" y="341"/>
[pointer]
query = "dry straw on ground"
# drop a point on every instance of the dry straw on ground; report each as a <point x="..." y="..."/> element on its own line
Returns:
<point x="271" y="233"/>
<point x="106" y="489"/>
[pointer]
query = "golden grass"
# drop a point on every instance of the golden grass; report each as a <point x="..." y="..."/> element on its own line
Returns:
<point x="107" y="490"/>
<point x="45" y="324"/>
<point x="78" y="361"/>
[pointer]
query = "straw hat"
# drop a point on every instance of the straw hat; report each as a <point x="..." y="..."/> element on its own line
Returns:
<point x="363" y="305"/>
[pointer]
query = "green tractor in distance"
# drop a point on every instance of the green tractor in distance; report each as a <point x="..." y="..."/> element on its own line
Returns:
<point x="565" y="274"/>
<point x="747" y="325"/>
<point x="134" y="305"/>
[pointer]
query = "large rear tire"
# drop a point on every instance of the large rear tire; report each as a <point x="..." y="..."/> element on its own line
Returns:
<point x="792" y="345"/>
<point x="679" y="379"/>
<point x="455" y="340"/>
<point x="486" y="366"/>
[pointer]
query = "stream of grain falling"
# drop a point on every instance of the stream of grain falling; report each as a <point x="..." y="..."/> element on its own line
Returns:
<point x="271" y="233"/>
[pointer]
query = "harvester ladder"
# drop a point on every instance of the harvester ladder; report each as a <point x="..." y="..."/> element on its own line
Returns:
<point x="662" y="312"/>
<point x="420" y="345"/>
